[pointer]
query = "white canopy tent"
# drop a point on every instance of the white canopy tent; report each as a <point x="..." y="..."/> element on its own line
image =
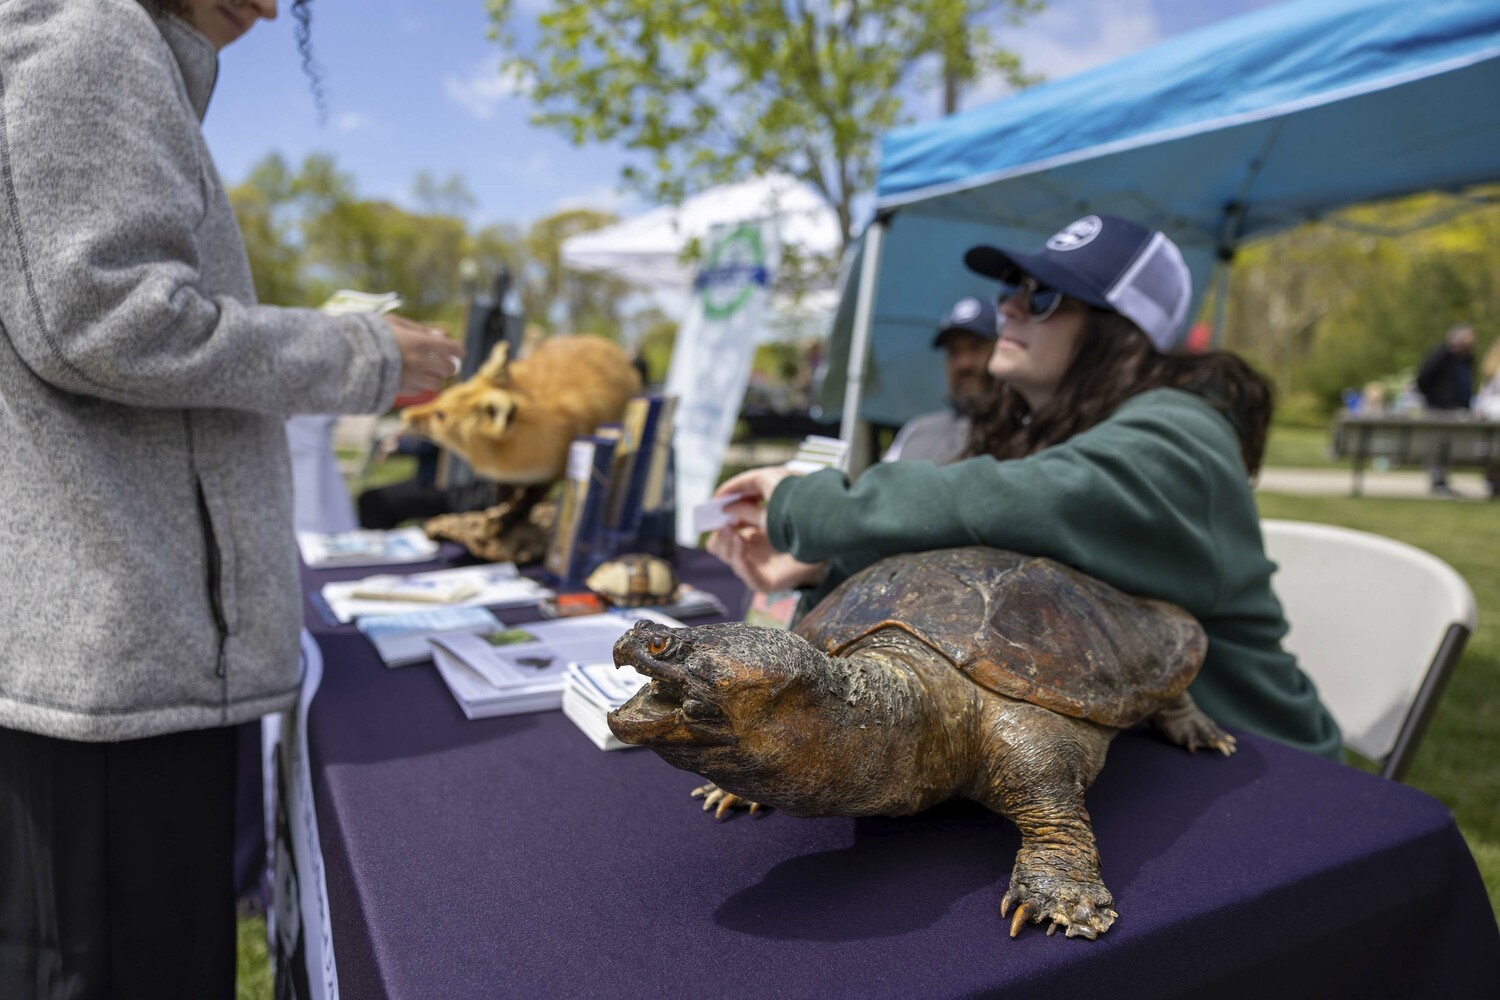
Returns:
<point x="647" y="250"/>
<point x="650" y="250"/>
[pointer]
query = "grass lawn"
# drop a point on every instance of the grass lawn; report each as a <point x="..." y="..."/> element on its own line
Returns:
<point x="1300" y="448"/>
<point x="1459" y="761"/>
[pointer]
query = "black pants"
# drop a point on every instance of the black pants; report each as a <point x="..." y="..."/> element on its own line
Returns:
<point x="116" y="867"/>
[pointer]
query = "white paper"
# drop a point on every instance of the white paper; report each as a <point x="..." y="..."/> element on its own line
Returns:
<point x="710" y="516"/>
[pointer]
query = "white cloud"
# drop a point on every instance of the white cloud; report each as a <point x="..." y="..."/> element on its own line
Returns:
<point x="484" y="88"/>
<point x="352" y="121"/>
<point x="1070" y="38"/>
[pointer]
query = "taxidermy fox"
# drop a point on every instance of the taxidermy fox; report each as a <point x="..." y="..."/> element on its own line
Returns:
<point x="514" y="420"/>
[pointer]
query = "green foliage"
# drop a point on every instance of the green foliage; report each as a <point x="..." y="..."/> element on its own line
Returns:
<point x="558" y="297"/>
<point x="1357" y="299"/>
<point x="707" y="90"/>
<point x="309" y="233"/>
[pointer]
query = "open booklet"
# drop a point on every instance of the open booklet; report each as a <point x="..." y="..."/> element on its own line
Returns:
<point x="525" y="668"/>
<point x="495" y="585"/>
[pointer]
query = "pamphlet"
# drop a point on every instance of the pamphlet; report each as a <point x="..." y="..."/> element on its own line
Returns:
<point x="365" y="548"/>
<point x="594" y="690"/>
<point x="776" y="610"/>
<point x="437" y="590"/>
<point x="524" y="669"/>
<point x="495" y="585"/>
<point x="817" y="452"/>
<point x="401" y="640"/>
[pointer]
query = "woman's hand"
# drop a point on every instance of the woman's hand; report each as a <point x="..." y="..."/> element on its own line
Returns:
<point x="754" y="488"/>
<point x="747" y="551"/>
<point x="428" y="357"/>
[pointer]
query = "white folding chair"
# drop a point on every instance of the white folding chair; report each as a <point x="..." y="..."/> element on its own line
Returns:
<point x="1379" y="626"/>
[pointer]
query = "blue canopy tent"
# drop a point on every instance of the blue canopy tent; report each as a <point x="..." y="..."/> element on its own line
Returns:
<point x="1244" y="128"/>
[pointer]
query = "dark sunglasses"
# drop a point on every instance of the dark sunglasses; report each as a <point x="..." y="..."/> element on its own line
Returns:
<point x="1041" y="301"/>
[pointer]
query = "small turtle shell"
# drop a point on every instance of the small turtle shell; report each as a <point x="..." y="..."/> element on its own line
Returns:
<point x="634" y="580"/>
<point x="1026" y="628"/>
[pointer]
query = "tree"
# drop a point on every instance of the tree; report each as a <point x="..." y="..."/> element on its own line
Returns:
<point x="1364" y="295"/>
<point x="555" y="296"/>
<point x="265" y="207"/>
<point x="713" y="90"/>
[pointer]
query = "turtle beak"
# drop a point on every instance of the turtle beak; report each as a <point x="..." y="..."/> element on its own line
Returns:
<point x="655" y="716"/>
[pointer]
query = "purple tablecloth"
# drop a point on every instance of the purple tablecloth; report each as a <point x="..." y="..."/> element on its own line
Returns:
<point x="509" y="857"/>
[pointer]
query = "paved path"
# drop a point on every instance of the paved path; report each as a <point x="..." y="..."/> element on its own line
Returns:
<point x="1338" y="482"/>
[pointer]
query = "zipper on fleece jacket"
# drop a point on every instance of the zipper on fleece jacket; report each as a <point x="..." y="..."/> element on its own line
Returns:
<point x="215" y="568"/>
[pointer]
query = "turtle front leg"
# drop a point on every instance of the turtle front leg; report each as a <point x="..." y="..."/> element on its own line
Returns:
<point x="1040" y="765"/>
<point x="1056" y="875"/>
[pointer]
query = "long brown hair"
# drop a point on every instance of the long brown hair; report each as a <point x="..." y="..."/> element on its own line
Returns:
<point x="1116" y="361"/>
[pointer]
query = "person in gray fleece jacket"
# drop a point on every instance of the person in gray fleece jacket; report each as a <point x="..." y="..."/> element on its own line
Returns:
<point x="149" y="597"/>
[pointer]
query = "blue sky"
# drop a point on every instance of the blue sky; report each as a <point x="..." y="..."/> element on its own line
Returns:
<point x="412" y="86"/>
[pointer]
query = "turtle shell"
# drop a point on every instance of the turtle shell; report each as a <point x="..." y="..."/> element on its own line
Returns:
<point x="634" y="580"/>
<point x="1026" y="628"/>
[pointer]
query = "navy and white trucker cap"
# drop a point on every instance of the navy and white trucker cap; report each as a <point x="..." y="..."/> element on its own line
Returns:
<point x="970" y="315"/>
<point x="1110" y="263"/>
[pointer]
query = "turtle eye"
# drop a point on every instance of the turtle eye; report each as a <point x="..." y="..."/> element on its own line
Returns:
<point x="658" y="645"/>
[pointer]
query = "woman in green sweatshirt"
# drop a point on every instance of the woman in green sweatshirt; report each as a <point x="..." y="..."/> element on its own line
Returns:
<point x="1101" y="449"/>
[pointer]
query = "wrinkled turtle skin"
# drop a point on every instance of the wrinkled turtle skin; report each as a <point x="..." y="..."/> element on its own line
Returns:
<point x="961" y="673"/>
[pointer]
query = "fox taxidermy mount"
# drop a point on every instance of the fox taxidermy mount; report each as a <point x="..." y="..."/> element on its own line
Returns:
<point x="513" y="421"/>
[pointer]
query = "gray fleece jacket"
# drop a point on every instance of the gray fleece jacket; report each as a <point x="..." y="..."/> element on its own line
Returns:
<point x="149" y="578"/>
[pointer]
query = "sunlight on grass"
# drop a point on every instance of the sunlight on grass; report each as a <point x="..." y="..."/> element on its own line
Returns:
<point x="253" y="977"/>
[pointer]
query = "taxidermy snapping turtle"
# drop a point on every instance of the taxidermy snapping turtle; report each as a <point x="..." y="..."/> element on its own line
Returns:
<point x="961" y="673"/>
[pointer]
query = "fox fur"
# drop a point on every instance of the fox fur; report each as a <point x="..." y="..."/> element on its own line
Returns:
<point x="514" y="420"/>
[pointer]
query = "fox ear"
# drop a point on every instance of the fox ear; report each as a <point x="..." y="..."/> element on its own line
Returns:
<point x="494" y="369"/>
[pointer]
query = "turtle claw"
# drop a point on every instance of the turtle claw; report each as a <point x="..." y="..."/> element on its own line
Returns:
<point x="1080" y="909"/>
<point x="1022" y="912"/>
<point x="714" y="796"/>
<point x="1184" y="723"/>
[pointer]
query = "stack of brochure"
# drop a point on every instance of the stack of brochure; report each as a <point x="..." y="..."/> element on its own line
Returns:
<point x="496" y="585"/>
<point x="401" y="640"/>
<point x="817" y="452"/>
<point x="591" y="691"/>
<point x="524" y="669"/>
<point x="365" y="548"/>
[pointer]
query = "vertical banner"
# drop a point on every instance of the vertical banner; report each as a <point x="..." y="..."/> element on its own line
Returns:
<point x="711" y="360"/>
<point x="298" y="923"/>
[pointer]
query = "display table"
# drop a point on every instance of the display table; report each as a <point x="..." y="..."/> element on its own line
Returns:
<point x="510" y="858"/>
<point x="1451" y="437"/>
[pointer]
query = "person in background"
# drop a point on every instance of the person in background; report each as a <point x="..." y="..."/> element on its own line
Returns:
<point x="1446" y="382"/>
<point x="1487" y="403"/>
<point x="1100" y="448"/>
<point x="967" y="336"/>
<point x="151" y="600"/>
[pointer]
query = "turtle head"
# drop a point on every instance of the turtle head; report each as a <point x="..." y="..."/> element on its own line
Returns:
<point x="718" y="693"/>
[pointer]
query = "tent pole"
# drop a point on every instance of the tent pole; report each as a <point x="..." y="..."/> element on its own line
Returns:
<point x="1221" y="300"/>
<point x="851" y="428"/>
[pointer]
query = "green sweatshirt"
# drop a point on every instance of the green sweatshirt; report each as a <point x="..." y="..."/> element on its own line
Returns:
<point x="1154" y="500"/>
